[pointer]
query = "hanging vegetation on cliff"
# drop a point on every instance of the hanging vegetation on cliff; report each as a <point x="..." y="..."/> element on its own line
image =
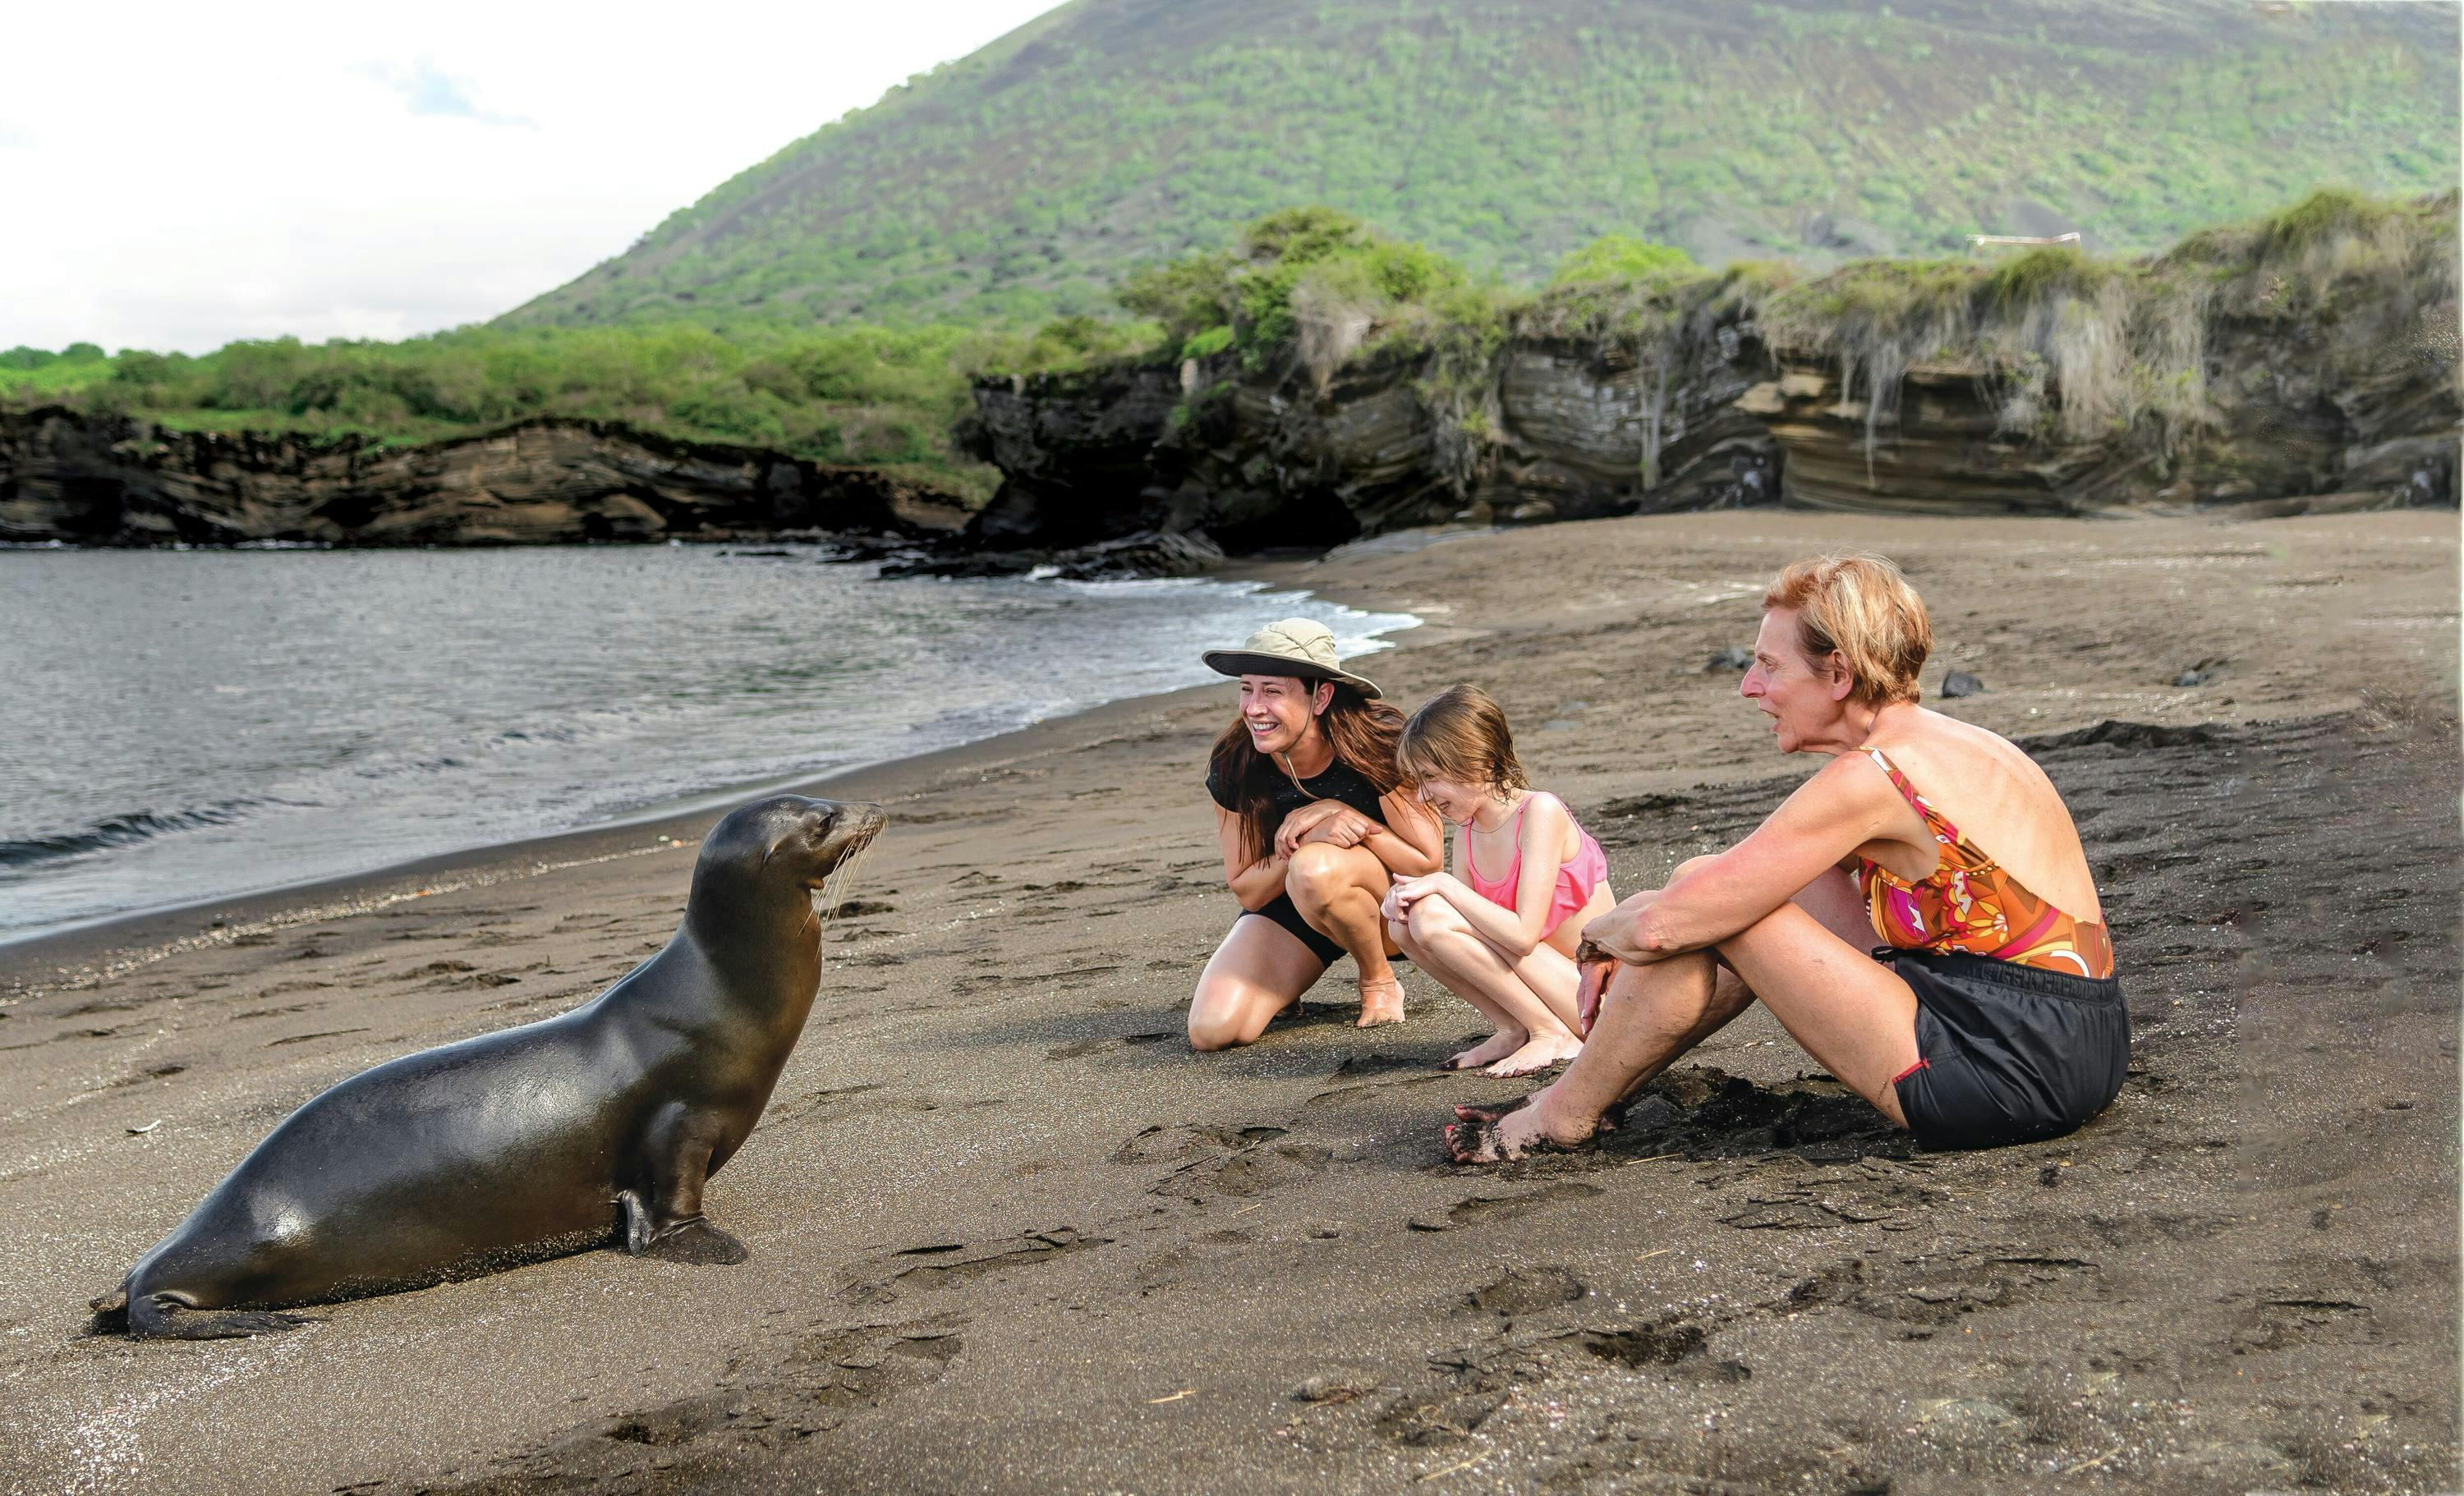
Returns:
<point x="2308" y="355"/>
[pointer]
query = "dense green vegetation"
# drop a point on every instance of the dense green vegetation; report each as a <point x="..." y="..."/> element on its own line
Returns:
<point x="1502" y="135"/>
<point x="2076" y="343"/>
<point x="2080" y="344"/>
<point x="877" y="396"/>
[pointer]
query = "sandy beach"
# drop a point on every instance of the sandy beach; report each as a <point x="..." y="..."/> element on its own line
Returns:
<point x="1008" y="1234"/>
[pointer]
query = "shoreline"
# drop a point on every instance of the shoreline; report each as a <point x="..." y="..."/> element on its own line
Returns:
<point x="77" y="946"/>
<point x="49" y="960"/>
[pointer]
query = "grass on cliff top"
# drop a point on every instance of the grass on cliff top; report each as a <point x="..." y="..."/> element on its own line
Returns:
<point x="2078" y="346"/>
<point x="2083" y="345"/>
<point x="877" y="397"/>
<point x="2080" y="343"/>
<point x="1312" y="289"/>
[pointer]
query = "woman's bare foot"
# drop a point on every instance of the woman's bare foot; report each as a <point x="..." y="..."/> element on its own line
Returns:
<point x="1381" y="1001"/>
<point x="1495" y="1047"/>
<point x="1516" y="1133"/>
<point x="1536" y="1054"/>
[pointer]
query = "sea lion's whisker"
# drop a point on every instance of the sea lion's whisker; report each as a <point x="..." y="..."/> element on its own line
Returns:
<point x="833" y="896"/>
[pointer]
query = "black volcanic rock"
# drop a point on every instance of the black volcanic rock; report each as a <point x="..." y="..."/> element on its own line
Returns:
<point x="65" y="476"/>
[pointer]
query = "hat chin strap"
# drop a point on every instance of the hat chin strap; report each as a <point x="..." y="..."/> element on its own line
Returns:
<point x="1284" y="757"/>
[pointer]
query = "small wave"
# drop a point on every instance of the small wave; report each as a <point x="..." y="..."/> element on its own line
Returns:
<point x="126" y="831"/>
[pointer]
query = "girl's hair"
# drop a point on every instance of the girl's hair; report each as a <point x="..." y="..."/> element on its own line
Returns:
<point x="1863" y="607"/>
<point x="1363" y="731"/>
<point x="1461" y="733"/>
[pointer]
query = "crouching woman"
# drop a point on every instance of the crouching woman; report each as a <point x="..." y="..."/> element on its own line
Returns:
<point x="1989" y="1013"/>
<point x="1315" y="822"/>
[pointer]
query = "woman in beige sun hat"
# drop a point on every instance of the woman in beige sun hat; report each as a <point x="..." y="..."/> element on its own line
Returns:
<point x="1315" y="822"/>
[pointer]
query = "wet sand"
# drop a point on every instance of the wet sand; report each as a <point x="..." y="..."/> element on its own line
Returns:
<point x="1010" y="1235"/>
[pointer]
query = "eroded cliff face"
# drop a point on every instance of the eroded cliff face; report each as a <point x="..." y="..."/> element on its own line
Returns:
<point x="1612" y="427"/>
<point x="2345" y="399"/>
<point x="102" y="481"/>
<point x="2299" y="417"/>
<point x="1552" y="427"/>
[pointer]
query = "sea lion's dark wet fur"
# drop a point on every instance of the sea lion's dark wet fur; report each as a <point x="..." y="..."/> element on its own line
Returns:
<point x="598" y="1125"/>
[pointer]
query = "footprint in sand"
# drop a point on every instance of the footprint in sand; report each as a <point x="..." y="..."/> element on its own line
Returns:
<point x="946" y="1263"/>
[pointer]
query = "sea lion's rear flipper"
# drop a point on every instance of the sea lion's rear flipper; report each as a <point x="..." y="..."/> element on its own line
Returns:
<point x="157" y="1316"/>
<point x="689" y="1239"/>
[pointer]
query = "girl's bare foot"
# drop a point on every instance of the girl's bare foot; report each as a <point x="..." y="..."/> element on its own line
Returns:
<point x="1536" y="1054"/>
<point x="1381" y="1001"/>
<point x="1516" y="1133"/>
<point x="1497" y="1047"/>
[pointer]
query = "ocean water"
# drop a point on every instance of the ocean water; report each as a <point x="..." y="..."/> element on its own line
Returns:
<point x="177" y="726"/>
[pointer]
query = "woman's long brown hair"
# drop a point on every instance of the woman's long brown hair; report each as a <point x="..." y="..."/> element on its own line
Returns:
<point x="1363" y="734"/>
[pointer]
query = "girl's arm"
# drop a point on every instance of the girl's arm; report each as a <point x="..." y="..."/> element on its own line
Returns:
<point x="1412" y="842"/>
<point x="1841" y="808"/>
<point x="1255" y="884"/>
<point x="1516" y="933"/>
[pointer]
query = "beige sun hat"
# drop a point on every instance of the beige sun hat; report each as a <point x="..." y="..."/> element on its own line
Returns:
<point x="1299" y="646"/>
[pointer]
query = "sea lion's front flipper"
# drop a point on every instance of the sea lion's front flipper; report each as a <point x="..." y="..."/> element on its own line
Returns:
<point x="691" y="1239"/>
<point x="665" y="1220"/>
<point x="158" y="1317"/>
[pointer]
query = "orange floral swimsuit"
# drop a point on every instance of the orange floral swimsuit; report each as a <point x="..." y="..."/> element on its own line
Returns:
<point x="1970" y="904"/>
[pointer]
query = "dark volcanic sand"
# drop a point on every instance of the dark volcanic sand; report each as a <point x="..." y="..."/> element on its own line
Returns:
<point x="1010" y="1235"/>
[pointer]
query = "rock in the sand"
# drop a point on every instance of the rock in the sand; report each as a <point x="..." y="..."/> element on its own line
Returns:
<point x="1968" y="1415"/>
<point x="2198" y="675"/>
<point x="1960" y="683"/>
<point x="1731" y="658"/>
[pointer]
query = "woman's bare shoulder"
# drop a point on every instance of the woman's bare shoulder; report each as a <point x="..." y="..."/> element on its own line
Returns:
<point x="1930" y="738"/>
<point x="1951" y="760"/>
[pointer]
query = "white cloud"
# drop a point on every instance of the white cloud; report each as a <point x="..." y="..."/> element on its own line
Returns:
<point x="179" y="176"/>
<point x="428" y="90"/>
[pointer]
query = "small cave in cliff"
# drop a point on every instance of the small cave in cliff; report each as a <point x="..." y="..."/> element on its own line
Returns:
<point x="1317" y="523"/>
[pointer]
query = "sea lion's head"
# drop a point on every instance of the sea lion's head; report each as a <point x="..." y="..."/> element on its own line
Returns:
<point x="784" y="843"/>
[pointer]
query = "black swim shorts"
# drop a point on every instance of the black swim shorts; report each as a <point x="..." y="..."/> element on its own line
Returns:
<point x="1283" y="912"/>
<point x="2007" y="1053"/>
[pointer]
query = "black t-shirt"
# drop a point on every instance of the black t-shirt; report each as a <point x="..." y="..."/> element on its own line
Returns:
<point x="1339" y="782"/>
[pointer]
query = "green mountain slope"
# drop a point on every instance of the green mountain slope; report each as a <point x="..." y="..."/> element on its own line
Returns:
<point x="1020" y="181"/>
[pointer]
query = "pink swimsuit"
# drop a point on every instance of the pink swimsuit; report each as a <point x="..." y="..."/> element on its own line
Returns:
<point x="1576" y="880"/>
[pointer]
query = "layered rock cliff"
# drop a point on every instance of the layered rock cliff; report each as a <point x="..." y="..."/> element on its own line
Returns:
<point x="1555" y="427"/>
<point x="2287" y="364"/>
<point x="66" y="475"/>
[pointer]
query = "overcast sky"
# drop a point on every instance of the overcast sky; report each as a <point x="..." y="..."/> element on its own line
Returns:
<point x="176" y="176"/>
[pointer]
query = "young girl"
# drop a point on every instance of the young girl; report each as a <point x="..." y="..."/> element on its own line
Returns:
<point x="1502" y="943"/>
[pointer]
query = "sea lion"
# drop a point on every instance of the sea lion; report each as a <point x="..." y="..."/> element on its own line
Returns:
<point x="597" y="1126"/>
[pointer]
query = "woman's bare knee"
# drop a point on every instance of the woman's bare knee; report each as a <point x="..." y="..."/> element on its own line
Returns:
<point x="1207" y="1035"/>
<point x="1221" y="1024"/>
<point x="1226" y="1013"/>
<point x="1316" y="874"/>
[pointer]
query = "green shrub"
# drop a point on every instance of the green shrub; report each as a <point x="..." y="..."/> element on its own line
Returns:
<point x="1208" y="344"/>
<point x="1625" y="260"/>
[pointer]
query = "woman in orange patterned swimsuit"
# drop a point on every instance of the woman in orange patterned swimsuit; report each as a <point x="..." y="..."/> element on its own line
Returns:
<point x="1990" y="1014"/>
